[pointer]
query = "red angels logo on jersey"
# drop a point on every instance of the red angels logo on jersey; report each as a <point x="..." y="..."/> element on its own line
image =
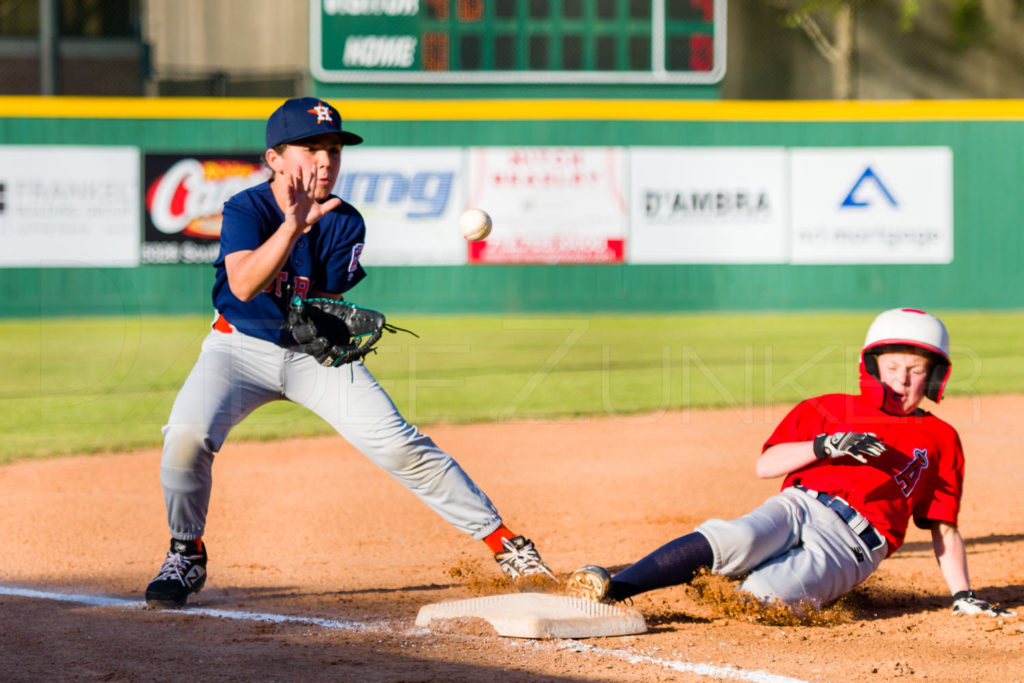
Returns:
<point x="911" y="474"/>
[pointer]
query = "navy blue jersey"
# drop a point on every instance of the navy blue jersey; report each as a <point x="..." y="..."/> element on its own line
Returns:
<point x="324" y="259"/>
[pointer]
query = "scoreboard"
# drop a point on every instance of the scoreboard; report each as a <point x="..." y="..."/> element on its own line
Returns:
<point x="518" y="41"/>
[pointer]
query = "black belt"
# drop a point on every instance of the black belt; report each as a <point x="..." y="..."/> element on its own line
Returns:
<point x="853" y="519"/>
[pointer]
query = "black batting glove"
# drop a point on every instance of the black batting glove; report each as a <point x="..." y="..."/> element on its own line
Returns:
<point x="965" y="602"/>
<point x="857" y="445"/>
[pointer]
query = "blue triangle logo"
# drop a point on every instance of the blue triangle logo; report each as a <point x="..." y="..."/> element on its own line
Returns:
<point x="867" y="176"/>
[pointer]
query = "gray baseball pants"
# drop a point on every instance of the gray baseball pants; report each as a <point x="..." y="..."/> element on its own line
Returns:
<point x="792" y="548"/>
<point x="236" y="373"/>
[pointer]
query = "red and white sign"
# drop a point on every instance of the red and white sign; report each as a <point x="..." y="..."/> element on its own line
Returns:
<point x="549" y="204"/>
<point x="551" y="250"/>
<point x="187" y="198"/>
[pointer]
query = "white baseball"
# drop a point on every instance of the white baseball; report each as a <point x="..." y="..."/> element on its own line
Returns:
<point x="475" y="224"/>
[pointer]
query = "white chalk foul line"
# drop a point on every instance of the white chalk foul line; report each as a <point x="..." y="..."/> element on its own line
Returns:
<point x="103" y="601"/>
<point x="685" y="667"/>
<point x="339" y="625"/>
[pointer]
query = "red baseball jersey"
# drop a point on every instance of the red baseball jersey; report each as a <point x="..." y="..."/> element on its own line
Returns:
<point x="920" y="474"/>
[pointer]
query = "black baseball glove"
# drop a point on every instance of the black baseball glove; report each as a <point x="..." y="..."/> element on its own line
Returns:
<point x="336" y="332"/>
<point x="857" y="445"/>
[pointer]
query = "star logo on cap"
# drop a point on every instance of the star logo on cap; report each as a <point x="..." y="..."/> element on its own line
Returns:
<point x="322" y="111"/>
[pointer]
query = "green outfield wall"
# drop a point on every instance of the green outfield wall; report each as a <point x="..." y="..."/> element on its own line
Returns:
<point x="986" y="137"/>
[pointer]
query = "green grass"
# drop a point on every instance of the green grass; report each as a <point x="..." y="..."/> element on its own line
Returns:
<point x="98" y="384"/>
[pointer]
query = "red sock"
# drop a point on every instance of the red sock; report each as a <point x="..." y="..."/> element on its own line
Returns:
<point x="493" y="540"/>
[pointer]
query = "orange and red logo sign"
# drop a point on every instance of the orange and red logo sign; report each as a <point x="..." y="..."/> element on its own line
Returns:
<point x="185" y="195"/>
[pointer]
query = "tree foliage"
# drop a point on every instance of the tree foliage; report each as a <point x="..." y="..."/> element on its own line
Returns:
<point x="829" y="25"/>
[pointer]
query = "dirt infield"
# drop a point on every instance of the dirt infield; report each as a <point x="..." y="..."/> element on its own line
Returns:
<point x="311" y="529"/>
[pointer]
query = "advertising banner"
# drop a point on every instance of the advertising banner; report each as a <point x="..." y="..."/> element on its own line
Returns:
<point x="68" y="206"/>
<point x="872" y="205"/>
<point x="411" y="199"/>
<point x="708" y="205"/>
<point x="550" y="204"/>
<point x="185" y="194"/>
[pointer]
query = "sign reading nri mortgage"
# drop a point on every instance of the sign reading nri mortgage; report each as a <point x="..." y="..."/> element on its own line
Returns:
<point x="872" y="205"/>
<point x="708" y="205"/>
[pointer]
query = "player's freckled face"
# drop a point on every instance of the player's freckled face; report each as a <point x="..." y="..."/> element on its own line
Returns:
<point x="906" y="376"/>
<point x="318" y="158"/>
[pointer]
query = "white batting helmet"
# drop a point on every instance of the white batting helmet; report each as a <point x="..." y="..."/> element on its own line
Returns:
<point x="910" y="327"/>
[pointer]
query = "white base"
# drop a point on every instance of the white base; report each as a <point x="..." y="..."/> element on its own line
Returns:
<point x="540" y="615"/>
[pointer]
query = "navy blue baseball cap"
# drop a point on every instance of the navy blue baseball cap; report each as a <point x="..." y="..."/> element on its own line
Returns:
<point x="304" y="117"/>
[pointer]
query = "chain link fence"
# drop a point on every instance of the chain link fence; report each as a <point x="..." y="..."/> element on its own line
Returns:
<point x="71" y="47"/>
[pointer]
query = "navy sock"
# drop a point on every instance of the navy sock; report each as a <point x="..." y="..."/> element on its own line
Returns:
<point x="672" y="564"/>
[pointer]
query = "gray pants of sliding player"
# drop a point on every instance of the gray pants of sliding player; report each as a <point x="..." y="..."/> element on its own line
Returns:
<point x="793" y="549"/>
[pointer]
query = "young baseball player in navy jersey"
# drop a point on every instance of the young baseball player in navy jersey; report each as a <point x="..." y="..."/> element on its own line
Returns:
<point x="286" y="237"/>
<point x="856" y="469"/>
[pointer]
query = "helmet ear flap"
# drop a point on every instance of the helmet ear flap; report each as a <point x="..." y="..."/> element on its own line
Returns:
<point x="871" y="365"/>
<point x="937" y="379"/>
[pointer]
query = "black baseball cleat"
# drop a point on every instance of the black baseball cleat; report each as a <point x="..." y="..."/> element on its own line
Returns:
<point x="182" y="573"/>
